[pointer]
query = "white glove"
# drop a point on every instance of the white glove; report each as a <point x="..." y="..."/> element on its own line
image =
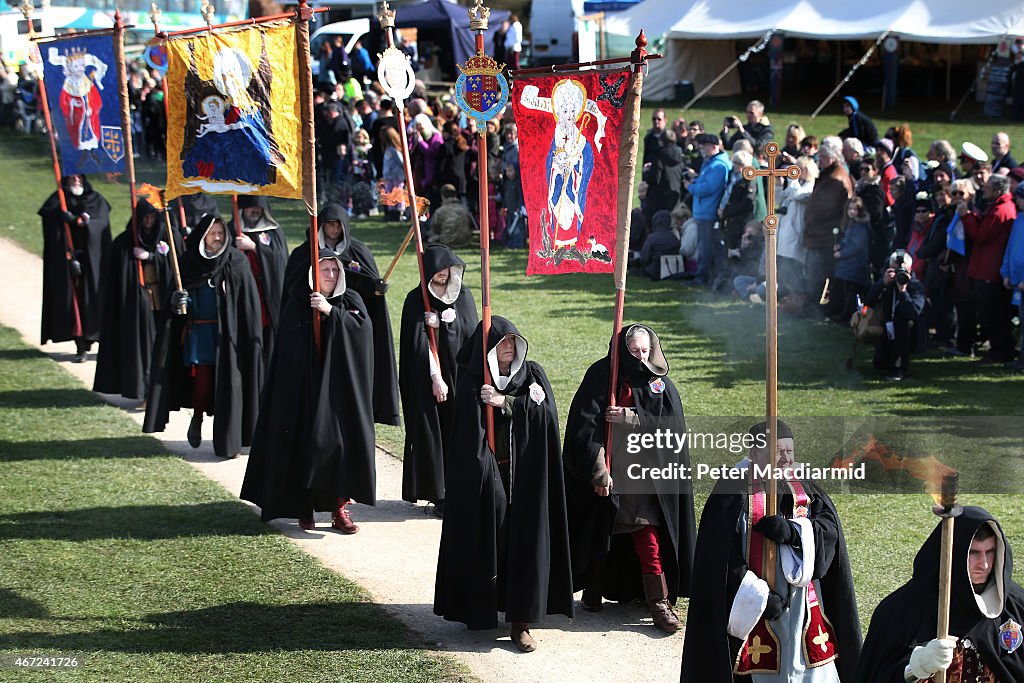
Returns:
<point x="140" y="253"/>
<point x="430" y="318"/>
<point x="936" y="656"/>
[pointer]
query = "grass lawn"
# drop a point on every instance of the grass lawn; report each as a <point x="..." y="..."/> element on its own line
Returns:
<point x="715" y="346"/>
<point x="113" y="548"/>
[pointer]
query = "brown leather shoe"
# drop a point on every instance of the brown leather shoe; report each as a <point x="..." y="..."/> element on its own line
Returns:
<point x="521" y="638"/>
<point x="342" y="520"/>
<point x="307" y="523"/>
<point x="656" y="595"/>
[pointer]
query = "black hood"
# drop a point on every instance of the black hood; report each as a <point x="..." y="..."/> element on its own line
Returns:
<point x="334" y="212"/>
<point x="147" y="238"/>
<point x="266" y="222"/>
<point x="631" y="367"/>
<point x="967" y="608"/>
<point x="471" y="354"/>
<point x="436" y="258"/>
<point x="661" y="221"/>
<point x="197" y="265"/>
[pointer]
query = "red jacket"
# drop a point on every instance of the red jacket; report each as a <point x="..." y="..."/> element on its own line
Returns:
<point x="990" y="232"/>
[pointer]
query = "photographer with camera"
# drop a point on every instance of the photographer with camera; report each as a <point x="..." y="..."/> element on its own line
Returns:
<point x="71" y="272"/>
<point x="900" y="299"/>
<point x="758" y="129"/>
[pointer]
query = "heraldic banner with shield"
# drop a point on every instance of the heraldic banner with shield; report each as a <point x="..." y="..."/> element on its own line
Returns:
<point x="234" y="123"/>
<point x="569" y="130"/>
<point x="81" y="85"/>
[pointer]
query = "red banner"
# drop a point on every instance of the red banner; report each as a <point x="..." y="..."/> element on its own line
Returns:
<point x="569" y="130"/>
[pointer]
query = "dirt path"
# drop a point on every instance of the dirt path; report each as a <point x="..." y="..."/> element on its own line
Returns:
<point x="395" y="553"/>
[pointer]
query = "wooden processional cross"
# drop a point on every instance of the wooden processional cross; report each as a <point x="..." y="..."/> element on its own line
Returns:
<point x="771" y="223"/>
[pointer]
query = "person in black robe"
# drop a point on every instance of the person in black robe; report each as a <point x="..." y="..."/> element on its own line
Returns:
<point x="362" y="276"/>
<point x="196" y="206"/>
<point x="504" y="539"/>
<point x="627" y="546"/>
<point x="71" y="273"/>
<point x="734" y="616"/>
<point x="131" y="312"/>
<point x="986" y="613"/>
<point x="426" y="385"/>
<point x="313" y="448"/>
<point x="211" y="358"/>
<point x="264" y="245"/>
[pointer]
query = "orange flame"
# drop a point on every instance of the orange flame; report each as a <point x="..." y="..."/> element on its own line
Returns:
<point x="399" y="196"/>
<point x="929" y="470"/>
<point x="151" y="193"/>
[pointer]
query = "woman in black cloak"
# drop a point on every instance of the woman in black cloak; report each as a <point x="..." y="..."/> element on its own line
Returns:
<point x="131" y="312"/>
<point x="313" y="448"/>
<point x="71" y="273"/>
<point x="504" y="540"/>
<point x="428" y="389"/>
<point x="627" y="546"/>
<point x="210" y="358"/>
<point x="362" y="276"/>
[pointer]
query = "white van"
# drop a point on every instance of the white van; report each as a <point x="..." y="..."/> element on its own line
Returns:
<point x="551" y="42"/>
<point x="350" y="31"/>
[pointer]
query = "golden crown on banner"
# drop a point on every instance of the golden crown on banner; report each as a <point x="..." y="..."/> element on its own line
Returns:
<point x="75" y="53"/>
<point x="481" y="64"/>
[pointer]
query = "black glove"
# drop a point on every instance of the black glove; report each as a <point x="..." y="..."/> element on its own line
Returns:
<point x="773" y="610"/>
<point x="75" y="266"/>
<point x="69" y="217"/>
<point x="179" y="301"/>
<point x="777" y="528"/>
<point x="380" y="287"/>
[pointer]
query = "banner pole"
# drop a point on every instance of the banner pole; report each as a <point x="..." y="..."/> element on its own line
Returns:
<point x="126" y="129"/>
<point x="69" y="245"/>
<point x="154" y="16"/>
<point x="629" y="143"/>
<point x="387" y="24"/>
<point x="303" y="14"/>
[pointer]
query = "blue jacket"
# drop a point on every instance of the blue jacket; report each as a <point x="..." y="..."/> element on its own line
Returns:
<point x="707" y="189"/>
<point x="855" y="263"/>
<point x="1013" y="259"/>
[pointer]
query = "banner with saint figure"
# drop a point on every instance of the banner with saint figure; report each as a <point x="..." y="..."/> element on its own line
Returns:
<point x="80" y="74"/>
<point x="569" y="130"/>
<point x="234" y="124"/>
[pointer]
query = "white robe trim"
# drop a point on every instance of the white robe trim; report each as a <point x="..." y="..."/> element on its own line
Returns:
<point x="798" y="565"/>
<point x="748" y="605"/>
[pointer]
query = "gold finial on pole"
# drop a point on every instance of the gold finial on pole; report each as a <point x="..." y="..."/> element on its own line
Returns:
<point x="154" y="13"/>
<point x="208" y="12"/>
<point x="386" y="16"/>
<point x="478" y="16"/>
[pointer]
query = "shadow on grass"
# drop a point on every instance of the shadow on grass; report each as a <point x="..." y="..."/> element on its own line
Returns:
<point x="240" y="627"/>
<point x="16" y="606"/>
<point x="70" y="449"/>
<point x="20" y="354"/>
<point x="141" y="522"/>
<point x="48" y="398"/>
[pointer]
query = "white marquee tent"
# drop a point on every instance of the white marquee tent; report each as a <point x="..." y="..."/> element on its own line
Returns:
<point x="700" y="33"/>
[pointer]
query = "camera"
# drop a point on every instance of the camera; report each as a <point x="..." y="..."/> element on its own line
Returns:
<point x="902" y="277"/>
<point x="782" y="210"/>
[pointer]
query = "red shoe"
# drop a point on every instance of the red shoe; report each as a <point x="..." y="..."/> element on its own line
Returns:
<point x="342" y="520"/>
<point x="307" y="523"/>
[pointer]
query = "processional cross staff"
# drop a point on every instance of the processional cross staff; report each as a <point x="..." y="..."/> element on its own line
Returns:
<point x="771" y="224"/>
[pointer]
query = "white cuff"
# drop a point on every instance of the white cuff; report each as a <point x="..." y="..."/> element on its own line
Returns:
<point x="798" y="565"/>
<point x="748" y="605"/>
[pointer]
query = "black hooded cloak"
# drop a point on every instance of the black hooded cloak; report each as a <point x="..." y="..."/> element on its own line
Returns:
<point x="908" y="617"/>
<point x="592" y="517"/>
<point x="272" y="255"/>
<point x="314" y="440"/>
<point x="503" y="548"/>
<point x="129" y="317"/>
<point x="239" y="370"/>
<point x="362" y="276"/>
<point x="196" y="206"/>
<point x="427" y="422"/>
<point x="709" y="651"/>
<point x="91" y="242"/>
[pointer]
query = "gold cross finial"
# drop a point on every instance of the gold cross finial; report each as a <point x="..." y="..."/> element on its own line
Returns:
<point x="478" y="16"/>
<point x="756" y="649"/>
<point x="386" y="16"/>
<point x="27" y="8"/>
<point x="821" y="639"/>
<point x="771" y="150"/>
<point x="208" y="11"/>
<point x="154" y="13"/>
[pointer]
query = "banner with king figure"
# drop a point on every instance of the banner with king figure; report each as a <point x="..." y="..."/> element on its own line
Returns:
<point x="81" y="85"/>
<point x="569" y="131"/>
<point x="234" y="124"/>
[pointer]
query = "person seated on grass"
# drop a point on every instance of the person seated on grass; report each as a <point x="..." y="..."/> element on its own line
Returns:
<point x="451" y="223"/>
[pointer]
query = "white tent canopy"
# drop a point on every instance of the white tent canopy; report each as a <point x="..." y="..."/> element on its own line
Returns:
<point x="929" y="21"/>
<point x="699" y="33"/>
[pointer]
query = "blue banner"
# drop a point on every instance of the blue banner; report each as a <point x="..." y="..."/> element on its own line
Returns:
<point x="83" y="93"/>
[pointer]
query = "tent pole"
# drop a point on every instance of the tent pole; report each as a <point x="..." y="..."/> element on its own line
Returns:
<point x="756" y="47"/>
